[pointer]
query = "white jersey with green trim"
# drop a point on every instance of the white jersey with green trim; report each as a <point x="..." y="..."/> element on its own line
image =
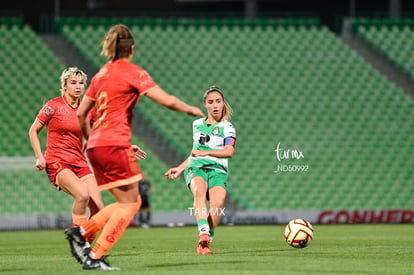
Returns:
<point x="210" y="137"/>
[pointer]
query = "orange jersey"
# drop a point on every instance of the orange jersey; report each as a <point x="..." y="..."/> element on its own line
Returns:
<point x="116" y="89"/>
<point x="64" y="137"/>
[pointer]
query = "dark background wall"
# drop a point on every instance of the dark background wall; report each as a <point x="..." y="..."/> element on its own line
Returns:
<point x="329" y="12"/>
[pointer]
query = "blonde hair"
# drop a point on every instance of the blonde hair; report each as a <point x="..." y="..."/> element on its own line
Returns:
<point x="68" y="73"/>
<point x="227" y="110"/>
<point x="117" y="42"/>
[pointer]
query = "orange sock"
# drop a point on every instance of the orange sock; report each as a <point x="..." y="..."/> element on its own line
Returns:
<point x="92" y="231"/>
<point x="79" y="220"/>
<point x="98" y="221"/>
<point x="91" y="237"/>
<point x="115" y="227"/>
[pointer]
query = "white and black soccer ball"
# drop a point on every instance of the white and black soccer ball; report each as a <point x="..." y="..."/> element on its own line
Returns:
<point x="298" y="233"/>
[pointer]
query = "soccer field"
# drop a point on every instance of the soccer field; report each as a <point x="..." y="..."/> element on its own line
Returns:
<point x="336" y="249"/>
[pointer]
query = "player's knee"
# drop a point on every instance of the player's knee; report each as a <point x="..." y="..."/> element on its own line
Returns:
<point x="82" y="198"/>
<point x="216" y="204"/>
<point x="199" y="192"/>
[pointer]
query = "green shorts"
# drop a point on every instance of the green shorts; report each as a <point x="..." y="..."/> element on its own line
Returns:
<point x="213" y="177"/>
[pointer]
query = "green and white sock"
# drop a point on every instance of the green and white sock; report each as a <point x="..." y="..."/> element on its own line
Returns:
<point x="211" y="235"/>
<point x="203" y="227"/>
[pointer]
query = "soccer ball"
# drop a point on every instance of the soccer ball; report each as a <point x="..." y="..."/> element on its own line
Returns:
<point x="298" y="233"/>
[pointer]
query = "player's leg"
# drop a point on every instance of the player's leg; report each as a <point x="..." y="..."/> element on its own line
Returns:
<point x="127" y="206"/>
<point x="198" y="187"/>
<point x="217" y="191"/>
<point x="143" y="213"/>
<point x="108" y="164"/>
<point x="71" y="184"/>
<point x="95" y="197"/>
<point x="95" y="201"/>
<point x="217" y="196"/>
<point x="148" y="216"/>
<point x="113" y="219"/>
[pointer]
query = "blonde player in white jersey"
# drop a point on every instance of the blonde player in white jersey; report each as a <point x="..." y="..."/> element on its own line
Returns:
<point x="206" y="169"/>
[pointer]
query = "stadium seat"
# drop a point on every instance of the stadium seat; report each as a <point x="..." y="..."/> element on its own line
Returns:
<point x="292" y="82"/>
<point x="391" y="37"/>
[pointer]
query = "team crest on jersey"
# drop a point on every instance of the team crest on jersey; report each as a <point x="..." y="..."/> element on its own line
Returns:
<point x="49" y="110"/>
<point x="215" y="131"/>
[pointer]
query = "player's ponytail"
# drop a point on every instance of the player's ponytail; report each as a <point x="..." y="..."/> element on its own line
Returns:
<point x="117" y="42"/>
<point x="227" y="111"/>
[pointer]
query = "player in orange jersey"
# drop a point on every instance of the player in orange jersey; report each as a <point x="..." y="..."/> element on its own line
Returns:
<point x="64" y="161"/>
<point x="114" y="92"/>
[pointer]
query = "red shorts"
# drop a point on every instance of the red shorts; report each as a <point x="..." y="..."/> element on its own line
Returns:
<point x="114" y="166"/>
<point x="52" y="169"/>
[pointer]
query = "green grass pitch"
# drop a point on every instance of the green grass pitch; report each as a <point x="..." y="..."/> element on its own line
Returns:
<point x="336" y="249"/>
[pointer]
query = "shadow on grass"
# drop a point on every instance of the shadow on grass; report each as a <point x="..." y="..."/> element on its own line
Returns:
<point x="257" y="251"/>
<point x="193" y="263"/>
<point x="13" y="269"/>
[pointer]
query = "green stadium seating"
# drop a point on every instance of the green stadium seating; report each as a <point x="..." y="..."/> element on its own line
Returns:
<point x="394" y="38"/>
<point x="27" y="61"/>
<point x="31" y="78"/>
<point x="292" y="82"/>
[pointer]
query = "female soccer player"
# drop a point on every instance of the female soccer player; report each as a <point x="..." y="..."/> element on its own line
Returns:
<point x="206" y="168"/>
<point x="64" y="161"/>
<point x="114" y="92"/>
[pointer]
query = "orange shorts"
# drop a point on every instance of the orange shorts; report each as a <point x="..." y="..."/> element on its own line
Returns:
<point x="52" y="169"/>
<point x="114" y="166"/>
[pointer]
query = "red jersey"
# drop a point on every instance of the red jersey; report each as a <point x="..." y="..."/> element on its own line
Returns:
<point x="116" y="89"/>
<point x="64" y="137"/>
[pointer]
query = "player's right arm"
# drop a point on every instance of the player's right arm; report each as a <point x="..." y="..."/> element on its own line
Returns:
<point x="173" y="173"/>
<point x="34" y="131"/>
<point x="172" y="102"/>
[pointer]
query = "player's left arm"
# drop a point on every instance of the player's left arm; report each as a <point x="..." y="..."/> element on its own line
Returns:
<point x="139" y="153"/>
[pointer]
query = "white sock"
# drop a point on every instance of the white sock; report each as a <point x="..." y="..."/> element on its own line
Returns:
<point x="203" y="229"/>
